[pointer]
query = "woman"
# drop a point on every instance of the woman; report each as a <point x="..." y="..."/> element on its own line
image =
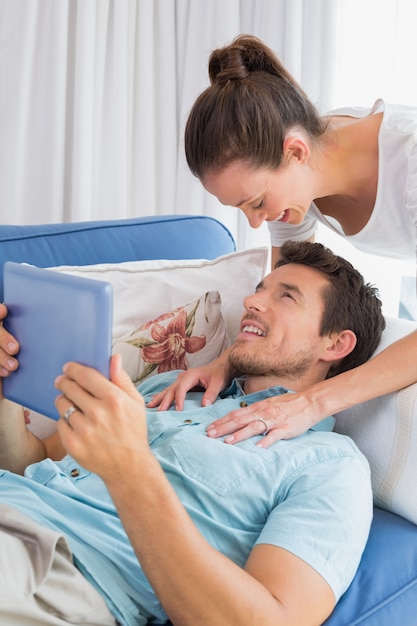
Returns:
<point x="256" y="142"/>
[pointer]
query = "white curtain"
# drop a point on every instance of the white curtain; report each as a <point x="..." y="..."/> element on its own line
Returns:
<point x="94" y="95"/>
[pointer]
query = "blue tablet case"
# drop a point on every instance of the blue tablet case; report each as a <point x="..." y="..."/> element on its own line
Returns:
<point x="56" y="318"/>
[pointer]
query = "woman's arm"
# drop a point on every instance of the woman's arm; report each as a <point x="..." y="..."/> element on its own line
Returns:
<point x="290" y="415"/>
<point x="213" y="377"/>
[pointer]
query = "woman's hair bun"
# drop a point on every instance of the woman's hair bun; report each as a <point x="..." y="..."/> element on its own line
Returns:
<point x="244" y="55"/>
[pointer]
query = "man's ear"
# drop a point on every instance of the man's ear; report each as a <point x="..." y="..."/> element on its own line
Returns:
<point x="295" y="146"/>
<point x="340" y="345"/>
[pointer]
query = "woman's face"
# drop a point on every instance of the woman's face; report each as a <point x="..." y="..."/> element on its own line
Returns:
<point x="283" y="194"/>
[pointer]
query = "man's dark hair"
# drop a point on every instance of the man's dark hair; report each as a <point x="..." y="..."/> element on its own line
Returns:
<point x="349" y="302"/>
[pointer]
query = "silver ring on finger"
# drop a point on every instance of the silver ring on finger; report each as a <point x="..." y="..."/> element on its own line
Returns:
<point x="266" y="431"/>
<point x="68" y="414"/>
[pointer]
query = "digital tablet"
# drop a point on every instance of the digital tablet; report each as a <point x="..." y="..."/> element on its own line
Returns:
<point x="55" y="318"/>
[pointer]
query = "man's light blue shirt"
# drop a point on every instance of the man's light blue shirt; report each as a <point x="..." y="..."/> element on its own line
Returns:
<point x="310" y="495"/>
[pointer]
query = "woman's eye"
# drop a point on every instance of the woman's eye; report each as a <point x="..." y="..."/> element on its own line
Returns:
<point x="259" y="205"/>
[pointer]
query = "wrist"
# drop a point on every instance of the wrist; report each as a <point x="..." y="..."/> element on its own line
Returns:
<point x="333" y="395"/>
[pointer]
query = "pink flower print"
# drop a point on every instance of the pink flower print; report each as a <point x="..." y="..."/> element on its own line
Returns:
<point x="172" y="343"/>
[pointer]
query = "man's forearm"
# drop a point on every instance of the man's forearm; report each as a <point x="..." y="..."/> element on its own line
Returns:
<point x="18" y="446"/>
<point x="193" y="581"/>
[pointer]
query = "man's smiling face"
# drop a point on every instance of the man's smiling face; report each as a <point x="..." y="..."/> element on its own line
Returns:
<point x="279" y="335"/>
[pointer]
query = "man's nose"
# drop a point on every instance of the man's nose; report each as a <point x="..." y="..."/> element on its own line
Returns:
<point x="255" y="301"/>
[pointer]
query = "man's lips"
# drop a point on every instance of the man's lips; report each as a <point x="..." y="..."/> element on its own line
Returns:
<point x="252" y="329"/>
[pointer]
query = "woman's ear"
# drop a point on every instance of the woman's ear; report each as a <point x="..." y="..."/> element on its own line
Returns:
<point x="340" y="345"/>
<point x="296" y="147"/>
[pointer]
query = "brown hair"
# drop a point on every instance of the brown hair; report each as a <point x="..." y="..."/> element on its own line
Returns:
<point x="349" y="302"/>
<point x="246" y="112"/>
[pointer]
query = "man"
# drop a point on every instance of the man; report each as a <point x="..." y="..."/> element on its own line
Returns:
<point x="218" y="534"/>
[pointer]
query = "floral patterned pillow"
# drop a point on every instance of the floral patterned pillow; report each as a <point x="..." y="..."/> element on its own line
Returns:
<point x="188" y="336"/>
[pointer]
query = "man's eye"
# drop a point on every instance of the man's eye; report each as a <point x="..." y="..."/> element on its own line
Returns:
<point x="287" y="294"/>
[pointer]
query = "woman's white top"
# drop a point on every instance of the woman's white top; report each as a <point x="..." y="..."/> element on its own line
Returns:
<point x="391" y="229"/>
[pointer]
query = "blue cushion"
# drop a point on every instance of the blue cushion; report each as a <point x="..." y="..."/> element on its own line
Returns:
<point x="113" y="241"/>
<point x="384" y="590"/>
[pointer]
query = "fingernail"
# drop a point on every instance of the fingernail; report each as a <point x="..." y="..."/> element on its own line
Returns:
<point x="206" y="403"/>
<point x="11" y="362"/>
<point x="229" y="439"/>
<point x="11" y="345"/>
<point x="212" y="432"/>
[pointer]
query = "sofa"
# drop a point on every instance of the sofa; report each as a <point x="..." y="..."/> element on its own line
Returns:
<point x="195" y="253"/>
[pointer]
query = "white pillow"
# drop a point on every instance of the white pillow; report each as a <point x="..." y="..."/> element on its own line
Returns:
<point x="385" y="430"/>
<point x="188" y="336"/>
<point x="142" y="290"/>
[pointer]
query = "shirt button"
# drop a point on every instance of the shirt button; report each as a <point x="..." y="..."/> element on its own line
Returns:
<point x="243" y="404"/>
<point x="74" y="473"/>
<point x="187" y="421"/>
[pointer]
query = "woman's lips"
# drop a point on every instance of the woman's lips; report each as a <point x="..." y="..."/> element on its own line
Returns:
<point x="283" y="217"/>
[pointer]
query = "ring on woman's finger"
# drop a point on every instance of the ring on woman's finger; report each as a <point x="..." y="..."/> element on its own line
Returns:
<point x="266" y="431"/>
<point x="68" y="414"/>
